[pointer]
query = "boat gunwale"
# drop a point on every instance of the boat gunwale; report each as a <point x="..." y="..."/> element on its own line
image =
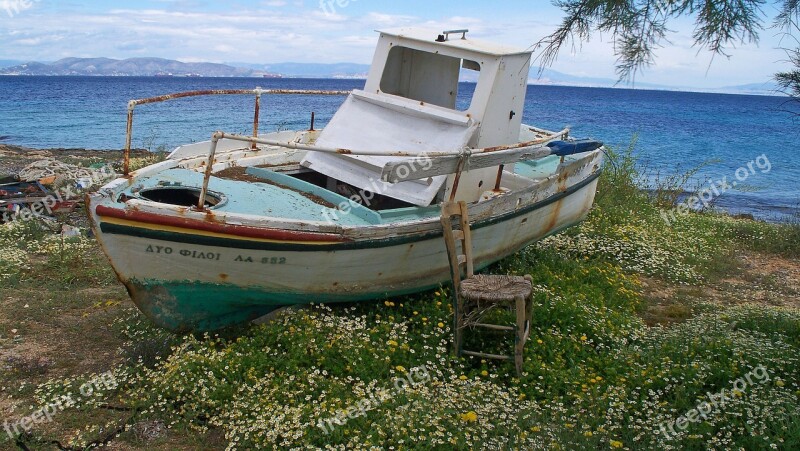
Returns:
<point x="264" y="223"/>
<point x="341" y="242"/>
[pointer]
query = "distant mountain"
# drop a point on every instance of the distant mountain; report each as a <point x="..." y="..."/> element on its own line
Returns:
<point x="311" y="70"/>
<point x="127" y="67"/>
<point x="552" y="77"/>
<point x="769" y="88"/>
<point x="9" y="63"/>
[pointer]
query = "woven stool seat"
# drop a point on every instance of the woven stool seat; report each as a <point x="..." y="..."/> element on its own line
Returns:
<point x="494" y="288"/>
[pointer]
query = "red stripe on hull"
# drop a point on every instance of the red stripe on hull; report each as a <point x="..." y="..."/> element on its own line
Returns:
<point x="210" y="226"/>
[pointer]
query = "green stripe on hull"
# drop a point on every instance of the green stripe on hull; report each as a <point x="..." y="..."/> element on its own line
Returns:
<point x="191" y="306"/>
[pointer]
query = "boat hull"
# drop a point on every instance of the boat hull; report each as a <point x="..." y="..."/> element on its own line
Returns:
<point x="186" y="279"/>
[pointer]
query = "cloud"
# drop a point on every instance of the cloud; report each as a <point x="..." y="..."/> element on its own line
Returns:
<point x="388" y="20"/>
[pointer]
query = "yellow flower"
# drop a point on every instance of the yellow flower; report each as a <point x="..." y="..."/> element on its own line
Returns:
<point x="462" y="377"/>
<point x="616" y="444"/>
<point x="539" y="341"/>
<point x="588" y="434"/>
<point x="438" y="293"/>
<point x="535" y="429"/>
<point x="521" y="397"/>
<point x="469" y="417"/>
<point x="416" y="313"/>
<point x="441" y="325"/>
<point x="484" y="373"/>
<point x="583" y="338"/>
<point x="391" y="343"/>
<point x="779" y="383"/>
<point x="400" y="369"/>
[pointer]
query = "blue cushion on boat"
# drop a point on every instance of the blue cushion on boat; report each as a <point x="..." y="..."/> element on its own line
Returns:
<point x="562" y="148"/>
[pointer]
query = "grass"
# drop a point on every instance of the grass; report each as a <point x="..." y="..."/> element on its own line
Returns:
<point x="625" y="340"/>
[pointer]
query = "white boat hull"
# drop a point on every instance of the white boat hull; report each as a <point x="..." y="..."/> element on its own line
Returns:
<point x="189" y="279"/>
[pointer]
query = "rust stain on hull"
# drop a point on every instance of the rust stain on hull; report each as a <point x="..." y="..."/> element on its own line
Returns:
<point x="552" y="220"/>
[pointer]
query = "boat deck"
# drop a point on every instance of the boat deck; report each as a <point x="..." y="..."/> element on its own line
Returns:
<point x="262" y="192"/>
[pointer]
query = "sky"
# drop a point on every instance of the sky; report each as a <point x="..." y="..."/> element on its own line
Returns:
<point x="329" y="31"/>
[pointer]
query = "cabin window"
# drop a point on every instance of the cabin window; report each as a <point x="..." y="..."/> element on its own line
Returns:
<point x="426" y="77"/>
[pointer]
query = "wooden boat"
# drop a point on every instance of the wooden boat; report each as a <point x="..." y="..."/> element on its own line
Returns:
<point x="229" y="229"/>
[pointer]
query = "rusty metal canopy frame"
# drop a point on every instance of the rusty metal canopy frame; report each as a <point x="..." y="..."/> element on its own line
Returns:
<point x="463" y="155"/>
<point x="258" y="92"/>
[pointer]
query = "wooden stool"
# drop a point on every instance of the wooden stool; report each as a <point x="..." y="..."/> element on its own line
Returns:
<point x="475" y="295"/>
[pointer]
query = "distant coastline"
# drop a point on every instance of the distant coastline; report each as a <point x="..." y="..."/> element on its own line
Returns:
<point x="159" y="67"/>
<point x="531" y="82"/>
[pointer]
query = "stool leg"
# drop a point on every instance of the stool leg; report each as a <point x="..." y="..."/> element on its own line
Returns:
<point x="458" y="324"/>
<point x="519" y="342"/>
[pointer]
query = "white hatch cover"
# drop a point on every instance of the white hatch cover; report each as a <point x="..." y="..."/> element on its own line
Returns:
<point x="392" y="124"/>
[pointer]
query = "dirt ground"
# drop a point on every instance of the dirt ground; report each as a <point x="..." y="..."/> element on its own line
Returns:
<point x="761" y="279"/>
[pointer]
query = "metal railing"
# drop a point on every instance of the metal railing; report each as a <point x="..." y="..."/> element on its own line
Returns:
<point x="258" y="92"/>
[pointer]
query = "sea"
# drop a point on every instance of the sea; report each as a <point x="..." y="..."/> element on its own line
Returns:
<point x="743" y="150"/>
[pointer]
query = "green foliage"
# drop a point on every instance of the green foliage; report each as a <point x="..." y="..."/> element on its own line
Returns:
<point x="639" y="28"/>
<point x="32" y="252"/>
<point x="148" y="159"/>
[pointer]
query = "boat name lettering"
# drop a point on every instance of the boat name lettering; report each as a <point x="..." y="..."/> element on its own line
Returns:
<point x="264" y="261"/>
<point x="200" y="255"/>
<point x="159" y="250"/>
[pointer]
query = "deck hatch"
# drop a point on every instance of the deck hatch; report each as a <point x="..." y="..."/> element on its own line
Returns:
<point x="181" y="196"/>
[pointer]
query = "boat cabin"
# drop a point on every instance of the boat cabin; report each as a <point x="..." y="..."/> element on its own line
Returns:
<point x="411" y="102"/>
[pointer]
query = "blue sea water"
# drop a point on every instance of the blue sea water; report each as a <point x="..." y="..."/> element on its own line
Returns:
<point x="674" y="131"/>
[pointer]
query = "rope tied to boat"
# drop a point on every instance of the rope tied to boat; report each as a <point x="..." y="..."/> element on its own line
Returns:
<point x="463" y="161"/>
<point x="464" y="156"/>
